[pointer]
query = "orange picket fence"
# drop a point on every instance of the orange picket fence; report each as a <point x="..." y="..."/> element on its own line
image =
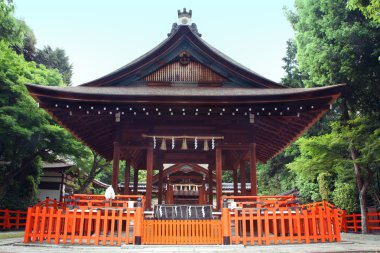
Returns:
<point x="353" y="222"/>
<point x="182" y="232"/>
<point x="243" y="220"/>
<point x="277" y="223"/>
<point x="326" y="206"/>
<point x="12" y="219"/>
<point x="102" y="226"/>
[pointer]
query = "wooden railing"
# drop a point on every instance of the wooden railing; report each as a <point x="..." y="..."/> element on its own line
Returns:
<point x="102" y="226"/>
<point x="48" y="202"/>
<point x="182" y="232"/>
<point x="352" y="222"/>
<point x="247" y="221"/>
<point x="90" y="201"/>
<point x="260" y="222"/>
<point x="326" y="206"/>
<point x="261" y="201"/>
<point x="10" y="219"/>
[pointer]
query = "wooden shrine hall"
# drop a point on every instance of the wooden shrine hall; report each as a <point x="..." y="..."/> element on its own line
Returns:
<point x="185" y="102"/>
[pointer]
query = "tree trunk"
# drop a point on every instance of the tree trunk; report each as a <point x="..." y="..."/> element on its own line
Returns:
<point x="361" y="183"/>
<point x="362" y="187"/>
<point x="96" y="168"/>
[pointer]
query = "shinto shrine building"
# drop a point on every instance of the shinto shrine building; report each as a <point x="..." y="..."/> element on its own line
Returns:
<point x="185" y="102"/>
<point x="189" y="112"/>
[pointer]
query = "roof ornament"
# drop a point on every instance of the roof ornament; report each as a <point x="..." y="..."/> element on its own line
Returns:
<point x="184" y="58"/>
<point x="184" y="17"/>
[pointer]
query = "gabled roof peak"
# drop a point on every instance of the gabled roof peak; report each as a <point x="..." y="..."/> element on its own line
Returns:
<point x="193" y="27"/>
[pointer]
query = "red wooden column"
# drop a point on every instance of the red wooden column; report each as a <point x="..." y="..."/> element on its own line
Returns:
<point x="210" y="184"/>
<point x="218" y="169"/>
<point x="243" y="179"/>
<point x="127" y="177"/>
<point x="160" y="182"/>
<point x="135" y="181"/>
<point x="115" y="166"/>
<point x="253" y="170"/>
<point x="149" y="177"/>
<point x="234" y="176"/>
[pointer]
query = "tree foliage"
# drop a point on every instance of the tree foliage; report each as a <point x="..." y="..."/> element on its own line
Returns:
<point x="28" y="135"/>
<point x="10" y="30"/>
<point x="338" y="45"/>
<point x="55" y="59"/>
<point x="369" y="8"/>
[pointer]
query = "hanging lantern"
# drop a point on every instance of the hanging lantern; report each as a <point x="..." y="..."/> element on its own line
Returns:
<point x="184" y="144"/>
<point x="205" y="146"/>
<point x="163" y="144"/>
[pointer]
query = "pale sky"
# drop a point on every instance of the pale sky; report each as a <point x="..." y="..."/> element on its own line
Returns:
<point x="101" y="36"/>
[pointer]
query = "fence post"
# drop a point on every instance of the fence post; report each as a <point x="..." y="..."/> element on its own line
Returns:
<point x="7" y="220"/>
<point x="226" y="223"/>
<point x="138" y="222"/>
<point x="28" y="225"/>
<point x="337" y="230"/>
<point x="344" y="222"/>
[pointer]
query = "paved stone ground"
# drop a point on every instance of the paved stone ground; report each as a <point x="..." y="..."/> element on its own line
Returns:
<point x="350" y="243"/>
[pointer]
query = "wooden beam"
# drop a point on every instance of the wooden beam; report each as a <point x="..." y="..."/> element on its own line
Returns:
<point x="127" y="177"/>
<point x="218" y="169"/>
<point x="149" y="177"/>
<point x="135" y="180"/>
<point x="253" y="170"/>
<point x="210" y="184"/>
<point x="243" y="179"/>
<point x="115" y="166"/>
<point x="160" y="182"/>
<point x="235" y="179"/>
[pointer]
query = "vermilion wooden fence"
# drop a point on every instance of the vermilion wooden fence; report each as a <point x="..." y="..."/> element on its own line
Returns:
<point x="278" y="223"/>
<point x="182" y="232"/>
<point x="244" y="220"/>
<point x="326" y="206"/>
<point x="353" y="222"/>
<point x="12" y="219"/>
<point x="103" y="226"/>
<point x="85" y="200"/>
<point x="48" y="202"/>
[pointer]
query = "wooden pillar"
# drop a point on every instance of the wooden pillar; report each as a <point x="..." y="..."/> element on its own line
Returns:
<point x="210" y="184"/>
<point x="234" y="176"/>
<point x="115" y="166"/>
<point x="243" y="179"/>
<point x="127" y="177"/>
<point x="135" y="181"/>
<point x="218" y="170"/>
<point x="253" y="170"/>
<point x="149" y="177"/>
<point x="160" y="182"/>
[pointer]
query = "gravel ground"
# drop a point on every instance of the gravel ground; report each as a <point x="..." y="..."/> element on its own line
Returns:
<point x="349" y="243"/>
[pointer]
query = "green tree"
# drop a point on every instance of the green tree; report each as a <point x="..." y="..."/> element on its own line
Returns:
<point x="55" y="59"/>
<point x="28" y="46"/>
<point x="27" y="134"/>
<point x="10" y="30"/>
<point x="294" y="77"/>
<point x="369" y="8"/>
<point x="332" y="154"/>
<point x="336" y="45"/>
